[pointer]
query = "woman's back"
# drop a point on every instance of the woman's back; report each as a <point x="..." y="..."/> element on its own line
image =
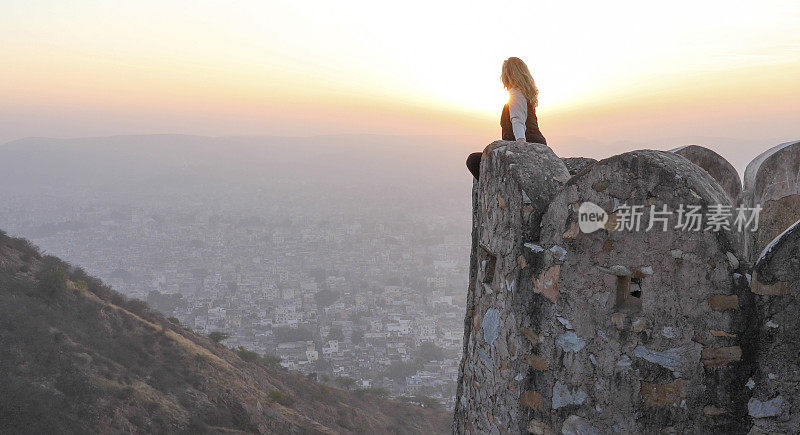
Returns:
<point x="525" y="110"/>
<point x="518" y="121"/>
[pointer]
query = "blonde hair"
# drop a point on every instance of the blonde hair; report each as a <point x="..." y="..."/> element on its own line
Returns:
<point x="515" y="74"/>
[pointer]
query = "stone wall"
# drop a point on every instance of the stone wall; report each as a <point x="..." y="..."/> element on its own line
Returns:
<point x="576" y="164"/>
<point x="775" y="404"/>
<point x="772" y="180"/>
<point x="516" y="185"/>
<point x="614" y="330"/>
<point x="716" y="166"/>
<point x="646" y="329"/>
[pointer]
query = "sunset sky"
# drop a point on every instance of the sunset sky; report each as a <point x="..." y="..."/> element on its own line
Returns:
<point x="607" y="71"/>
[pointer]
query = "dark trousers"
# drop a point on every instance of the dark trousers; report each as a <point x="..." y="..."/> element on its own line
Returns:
<point x="474" y="164"/>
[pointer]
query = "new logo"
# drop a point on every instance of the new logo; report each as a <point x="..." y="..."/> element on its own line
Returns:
<point x="591" y="217"/>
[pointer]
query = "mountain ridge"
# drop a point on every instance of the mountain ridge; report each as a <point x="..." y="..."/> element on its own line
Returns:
<point x="79" y="357"/>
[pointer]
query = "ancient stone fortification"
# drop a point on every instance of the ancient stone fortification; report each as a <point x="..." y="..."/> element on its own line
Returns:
<point x="776" y="282"/>
<point x="773" y="180"/>
<point x="616" y="330"/>
<point x="716" y="166"/>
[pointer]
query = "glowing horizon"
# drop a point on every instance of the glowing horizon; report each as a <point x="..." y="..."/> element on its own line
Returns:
<point x="624" y="70"/>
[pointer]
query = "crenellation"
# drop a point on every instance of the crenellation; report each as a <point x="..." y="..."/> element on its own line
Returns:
<point x="506" y="228"/>
<point x="717" y="167"/>
<point x="775" y="404"/>
<point x="616" y="327"/>
<point x="772" y="181"/>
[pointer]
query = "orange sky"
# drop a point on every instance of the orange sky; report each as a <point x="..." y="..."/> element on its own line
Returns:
<point x="611" y="72"/>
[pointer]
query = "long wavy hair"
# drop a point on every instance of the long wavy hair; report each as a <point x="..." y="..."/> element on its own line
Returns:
<point x="515" y="74"/>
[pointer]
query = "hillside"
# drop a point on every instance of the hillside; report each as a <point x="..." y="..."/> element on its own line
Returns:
<point x="78" y="357"/>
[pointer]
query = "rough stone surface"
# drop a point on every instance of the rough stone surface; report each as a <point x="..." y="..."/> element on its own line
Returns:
<point x="716" y="166"/>
<point x="538" y="428"/>
<point x="670" y="358"/>
<point x="724" y="302"/>
<point x="660" y="395"/>
<point x="773" y="180"/>
<point x="576" y="425"/>
<point x="491" y="324"/>
<point x="517" y="183"/>
<point x="780" y="260"/>
<point x="570" y="342"/>
<point x="536" y="362"/>
<point x="563" y="395"/>
<point x="720" y="356"/>
<point x="776" y="282"/>
<point x="770" y="408"/>
<point x="639" y="369"/>
<point x="531" y="399"/>
<point x="575" y="164"/>
<point x="584" y="357"/>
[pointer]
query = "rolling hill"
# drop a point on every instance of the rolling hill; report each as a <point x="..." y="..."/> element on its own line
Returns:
<point x="78" y="357"/>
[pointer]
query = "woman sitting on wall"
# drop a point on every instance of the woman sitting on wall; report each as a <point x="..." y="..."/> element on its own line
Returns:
<point x="518" y="121"/>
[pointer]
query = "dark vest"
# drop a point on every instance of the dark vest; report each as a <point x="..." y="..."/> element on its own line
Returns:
<point x="532" y="133"/>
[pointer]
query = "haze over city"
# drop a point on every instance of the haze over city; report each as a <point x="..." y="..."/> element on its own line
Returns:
<point x="611" y="75"/>
<point x="285" y="180"/>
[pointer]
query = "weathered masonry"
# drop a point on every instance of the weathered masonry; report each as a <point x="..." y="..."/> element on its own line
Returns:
<point x="716" y="166"/>
<point x="507" y="210"/>
<point x="775" y="404"/>
<point x="617" y="331"/>
<point x="772" y="180"/>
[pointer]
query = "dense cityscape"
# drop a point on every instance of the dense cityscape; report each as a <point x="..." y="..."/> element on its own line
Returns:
<point x="361" y="299"/>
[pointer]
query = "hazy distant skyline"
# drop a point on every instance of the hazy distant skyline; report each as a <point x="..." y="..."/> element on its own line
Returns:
<point x="619" y="71"/>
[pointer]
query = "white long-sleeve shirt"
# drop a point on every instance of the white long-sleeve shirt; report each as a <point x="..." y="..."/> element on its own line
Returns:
<point x="518" y="111"/>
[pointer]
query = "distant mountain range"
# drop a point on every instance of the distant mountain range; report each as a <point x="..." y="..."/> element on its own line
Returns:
<point x="435" y="162"/>
<point x="421" y="169"/>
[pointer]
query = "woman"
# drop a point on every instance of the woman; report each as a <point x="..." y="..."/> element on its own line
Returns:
<point x="518" y="121"/>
